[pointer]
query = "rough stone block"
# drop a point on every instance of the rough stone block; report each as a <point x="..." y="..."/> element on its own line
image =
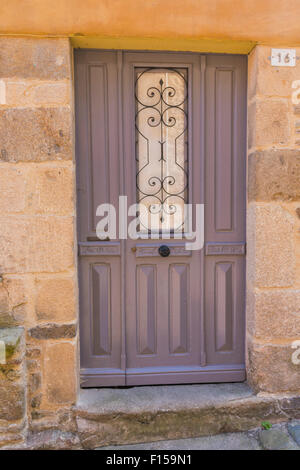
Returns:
<point x="53" y="331"/>
<point x="34" y="382"/>
<point x="33" y="353"/>
<point x="270" y="367"/>
<point x="55" y="299"/>
<point x="50" y="191"/>
<point x="35" y="134"/>
<point x="60" y="372"/>
<point x="274" y="313"/>
<point x="294" y="430"/>
<point x="44" y="58"/>
<point x="270" y="246"/>
<point x="53" y="440"/>
<point x="11" y="337"/>
<point x="12" y="190"/>
<point x="36" y="244"/>
<point x="61" y="418"/>
<point x="12" y="386"/>
<point x="11" y="440"/>
<point x="290" y="405"/>
<point x="14" y="300"/>
<point x="276" y="439"/>
<point x="36" y="93"/>
<point x="268" y="123"/>
<point x="36" y="401"/>
<point x="274" y="175"/>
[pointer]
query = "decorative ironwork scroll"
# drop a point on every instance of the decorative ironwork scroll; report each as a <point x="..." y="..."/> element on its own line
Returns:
<point x="161" y="122"/>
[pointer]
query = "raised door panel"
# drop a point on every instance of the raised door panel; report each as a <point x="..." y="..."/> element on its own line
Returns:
<point x="224" y="310"/>
<point x="225" y="146"/>
<point x="97" y="150"/>
<point x="179" y="321"/>
<point x="146" y="308"/>
<point x="224" y="109"/>
<point x="100" y="321"/>
<point x="223" y="306"/>
<point x="100" y="292"/>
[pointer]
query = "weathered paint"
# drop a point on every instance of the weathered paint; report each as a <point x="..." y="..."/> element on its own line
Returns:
<point x="273" y="22"/>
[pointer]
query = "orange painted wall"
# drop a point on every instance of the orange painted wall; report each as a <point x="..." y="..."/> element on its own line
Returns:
<point x="264" y="21"/>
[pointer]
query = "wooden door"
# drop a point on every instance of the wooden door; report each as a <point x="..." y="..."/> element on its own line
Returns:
<point x="164" y="129"/>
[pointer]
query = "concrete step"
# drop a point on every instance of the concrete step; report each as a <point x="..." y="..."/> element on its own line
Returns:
<point x="147" y="414"/>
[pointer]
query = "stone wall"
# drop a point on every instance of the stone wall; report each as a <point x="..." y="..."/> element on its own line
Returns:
<point x="273" y="239"/>
<point x="38" y="287"/>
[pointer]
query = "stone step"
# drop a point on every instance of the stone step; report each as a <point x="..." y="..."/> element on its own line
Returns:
<point x="147" y="414"/>
<point x="283" y="436"/>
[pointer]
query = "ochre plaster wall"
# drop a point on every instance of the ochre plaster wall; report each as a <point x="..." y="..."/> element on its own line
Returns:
<point x="269" y="21"/>
<point x="231" y="19"/>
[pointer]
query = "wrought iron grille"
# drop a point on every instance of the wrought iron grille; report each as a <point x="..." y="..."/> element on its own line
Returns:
<point x="161" y="122"/>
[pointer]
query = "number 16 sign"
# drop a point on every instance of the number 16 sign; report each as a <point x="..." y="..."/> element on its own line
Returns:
<point x="283" y="57"/>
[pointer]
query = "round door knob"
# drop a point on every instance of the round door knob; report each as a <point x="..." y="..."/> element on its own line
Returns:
<point x="164" y="251"/>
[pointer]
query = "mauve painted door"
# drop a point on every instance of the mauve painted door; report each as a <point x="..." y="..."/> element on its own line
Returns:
<point x="144" y="318"/>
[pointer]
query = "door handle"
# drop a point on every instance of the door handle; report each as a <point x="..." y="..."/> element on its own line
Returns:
<point x="164" y="251"/>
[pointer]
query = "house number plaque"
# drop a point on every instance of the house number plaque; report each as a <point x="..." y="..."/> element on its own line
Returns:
<point x="283" y="57"/>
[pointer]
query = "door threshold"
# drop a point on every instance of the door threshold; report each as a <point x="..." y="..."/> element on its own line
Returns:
<point x="90" y="378"/>
<point x="157" y="397"/>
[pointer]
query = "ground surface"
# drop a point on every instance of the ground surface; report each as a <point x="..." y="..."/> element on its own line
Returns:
<point x="284" y="436"/>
